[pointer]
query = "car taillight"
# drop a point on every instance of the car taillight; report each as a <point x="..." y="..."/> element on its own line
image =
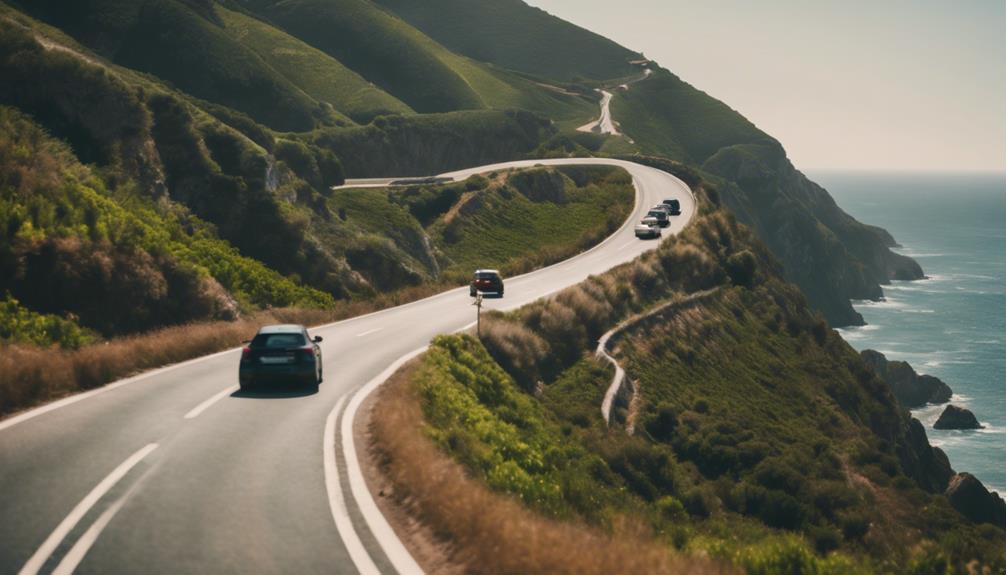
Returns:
<point x="307" y="352"/>
<point x="246" y="355"/>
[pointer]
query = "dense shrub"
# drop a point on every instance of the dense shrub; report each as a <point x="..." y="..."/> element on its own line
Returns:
<point x="742" y="266"/>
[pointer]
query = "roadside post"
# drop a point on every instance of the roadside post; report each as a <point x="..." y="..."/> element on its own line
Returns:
<point x="478" y="314"/>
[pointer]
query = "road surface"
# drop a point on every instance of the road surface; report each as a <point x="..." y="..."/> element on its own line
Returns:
<point x="174" y="471"/>
<point x="605" y="124"/>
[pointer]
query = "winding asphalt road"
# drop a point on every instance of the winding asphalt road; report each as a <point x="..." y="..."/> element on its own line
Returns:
<point x="174" y="471"/>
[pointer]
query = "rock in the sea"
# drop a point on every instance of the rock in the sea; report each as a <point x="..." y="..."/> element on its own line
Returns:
<point x="910" y="388"/>
<point x="954" y="417"/>
<point x="974" y="501"/>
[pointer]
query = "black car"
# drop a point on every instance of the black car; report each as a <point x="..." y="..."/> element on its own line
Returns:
<point x="674" y="205"/>
<point x="281" y="355"/>
<point x="486" y="281"/>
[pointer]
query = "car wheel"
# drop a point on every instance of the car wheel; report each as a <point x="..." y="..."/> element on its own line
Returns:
<point x="471" y="293"/>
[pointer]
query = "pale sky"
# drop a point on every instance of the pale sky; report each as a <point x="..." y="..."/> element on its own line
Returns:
<point x="860" y="84"/>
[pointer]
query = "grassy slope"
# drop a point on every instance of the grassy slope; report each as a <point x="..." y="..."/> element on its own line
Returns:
<point x="408" y="64"/>
<point x="383" y="49"/>
<point x="185" y="45"/>
<point x="507" y="225"/>
<point x="511" y="34"/>
<point x="483" y="223"/>
<point x="667" y="116"/>
<point x="772" y="460"/>
<point x="316" y="73"/>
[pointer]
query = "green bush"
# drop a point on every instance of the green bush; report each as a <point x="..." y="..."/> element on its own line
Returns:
<point x="20" y="325"/>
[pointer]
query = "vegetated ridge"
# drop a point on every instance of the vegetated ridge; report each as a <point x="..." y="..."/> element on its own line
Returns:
<point x="793" y="456"/>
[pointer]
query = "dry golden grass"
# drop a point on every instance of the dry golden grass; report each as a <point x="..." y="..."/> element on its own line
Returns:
<point x="33" y="375"/>
<point x="492" y="533"/>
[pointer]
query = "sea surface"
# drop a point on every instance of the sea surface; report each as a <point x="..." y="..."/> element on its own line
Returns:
<point x="953" y="324"/>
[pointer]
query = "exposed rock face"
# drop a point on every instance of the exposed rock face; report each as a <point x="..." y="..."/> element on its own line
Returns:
<point x="910" y="388"/>
<point x="830" y="255"/>
<point x="928" y="465"/>
<point x="954" y="417"/>
<point x="974" y="501"/>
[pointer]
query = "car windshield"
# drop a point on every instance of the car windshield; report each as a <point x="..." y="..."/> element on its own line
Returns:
<point x="278" y="340"/>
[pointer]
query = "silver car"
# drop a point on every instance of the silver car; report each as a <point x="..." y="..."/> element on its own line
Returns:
<point x="648" y="230"/>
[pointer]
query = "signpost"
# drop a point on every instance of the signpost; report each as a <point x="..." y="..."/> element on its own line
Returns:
<point x="478" y="314"/>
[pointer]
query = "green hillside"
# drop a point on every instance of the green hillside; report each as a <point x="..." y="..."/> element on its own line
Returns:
<point x="511" y="34"/>
<point x="184" y="43"/>
<point x="316" y="73"/>
<point x="381" y="48"/>
<point x="667" y="116"/>
<point x="408" y="64"/>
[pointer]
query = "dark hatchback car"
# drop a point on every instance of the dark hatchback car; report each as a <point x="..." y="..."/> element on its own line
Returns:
<point x="674" y="207"/>
<point x="281" y="355"/>
<point x="486" y="281"/>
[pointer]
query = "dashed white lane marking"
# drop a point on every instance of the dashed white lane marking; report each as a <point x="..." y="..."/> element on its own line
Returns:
<point x="209" y="402"/>
<point x="627" y="244"/>
<point x="82" y="396"/>
<point x="63" y="529"/>
<point x="369" y="331"/>
<point x="364" y="564"/>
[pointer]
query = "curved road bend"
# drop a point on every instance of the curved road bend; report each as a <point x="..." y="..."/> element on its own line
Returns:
<point x="175" y="472"/>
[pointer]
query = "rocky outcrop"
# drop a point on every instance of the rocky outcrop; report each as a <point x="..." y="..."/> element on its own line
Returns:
<point x="954" y="417"/>
<point x="927" y="465"/>
<point x="968" y="496"/>
<point x="910" y="388"/>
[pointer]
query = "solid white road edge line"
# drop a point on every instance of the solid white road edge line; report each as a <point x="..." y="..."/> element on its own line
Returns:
<point x="399" y="556"/>
<point x="109" y="387"/>
<point x="63" y="529"/>
<point x="206" y="404"/>
<point x="343" y="524"/>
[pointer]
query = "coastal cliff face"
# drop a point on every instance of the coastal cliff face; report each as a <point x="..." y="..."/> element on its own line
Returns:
<point x="828" y="253"/>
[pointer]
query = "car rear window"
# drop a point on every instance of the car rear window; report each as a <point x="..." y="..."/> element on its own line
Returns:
<point x="278" y="340"/>
<point x="656" y="213"/>
<point x="485" y="276"/>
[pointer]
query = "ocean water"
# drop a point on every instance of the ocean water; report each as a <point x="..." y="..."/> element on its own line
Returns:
<point x="952" y="325"/>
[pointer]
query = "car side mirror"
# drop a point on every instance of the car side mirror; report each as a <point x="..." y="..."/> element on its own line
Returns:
<point x="317" y="339"/>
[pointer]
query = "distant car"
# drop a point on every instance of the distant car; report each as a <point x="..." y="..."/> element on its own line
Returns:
<point x="644" y="230"/>
<point x="661" y="216"/>
<point x="486" y="281"/>
<point x="281" y="355"/>
<point x="674" y="207"/>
